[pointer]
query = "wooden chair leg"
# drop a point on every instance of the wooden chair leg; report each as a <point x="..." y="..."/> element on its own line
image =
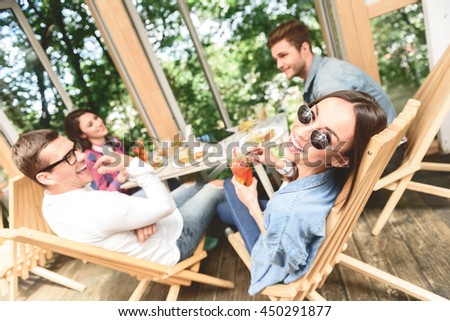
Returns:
<point x="390" y="205"/>
<point x="429" y="189"/>
<point x="173" y="293"/>
<point x="4" y="287"/>
<point x="429" y="166"/>
<point x="388" y="279"/>
<point x="13" y="288"/>
<point x="58" y="278"/>
<point x="139" y="291"/>
<point x="315" y="296"/>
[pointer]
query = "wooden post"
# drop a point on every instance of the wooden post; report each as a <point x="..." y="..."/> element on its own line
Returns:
<point x="134" y="67"/>
<point x="354" y="28"/>
<point x="5" y="158"/>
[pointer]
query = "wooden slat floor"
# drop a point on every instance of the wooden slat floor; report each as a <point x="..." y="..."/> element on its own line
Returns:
<point x="414" y="245"/>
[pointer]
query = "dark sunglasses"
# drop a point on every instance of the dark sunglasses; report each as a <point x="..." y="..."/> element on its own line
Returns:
<point x="319" y="139"/>
<point x="70" y="158"/>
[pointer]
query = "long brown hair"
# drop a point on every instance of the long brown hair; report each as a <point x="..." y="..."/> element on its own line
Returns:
<point x="72" y="127"/>
<point x="370" y="120"/>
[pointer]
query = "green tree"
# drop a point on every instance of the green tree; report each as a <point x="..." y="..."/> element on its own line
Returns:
<point x="233" y="35"/>
<point x="68" y="35"/>
<point x="400" y="43"/>
<point x="232" y="32"/>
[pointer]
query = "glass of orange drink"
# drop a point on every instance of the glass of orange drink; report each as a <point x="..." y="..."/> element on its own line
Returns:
<point x="241" y="167"/>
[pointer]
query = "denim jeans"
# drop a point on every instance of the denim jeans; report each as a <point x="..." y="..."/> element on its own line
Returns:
<point x="233" y="211"/>
<point x="173" y="184"/>
<point x="197" y="204"/>
<point x="139" y="193"/>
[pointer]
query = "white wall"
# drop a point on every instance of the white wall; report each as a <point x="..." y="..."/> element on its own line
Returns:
<point x="437" y="29"/>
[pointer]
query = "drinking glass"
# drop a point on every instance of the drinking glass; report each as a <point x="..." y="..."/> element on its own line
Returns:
<point x="241" y="167"/>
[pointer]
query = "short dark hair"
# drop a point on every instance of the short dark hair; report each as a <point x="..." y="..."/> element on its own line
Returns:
<point x="25" y="152"/>
<point x="294" y="31"/>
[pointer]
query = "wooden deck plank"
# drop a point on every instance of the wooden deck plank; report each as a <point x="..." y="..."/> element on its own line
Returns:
<point x="357" y="286"/>
<point x="227" y="270"/>
<point x="372" y="249"/>
<point x="334" y="286"/>
<point x="415" y="243"/>
<point x="427" y="242"/>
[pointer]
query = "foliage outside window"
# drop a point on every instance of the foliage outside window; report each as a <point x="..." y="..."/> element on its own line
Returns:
<point x="233" y="34"/>
<point x="401" y="47"/>
<point x="68" y="35"/>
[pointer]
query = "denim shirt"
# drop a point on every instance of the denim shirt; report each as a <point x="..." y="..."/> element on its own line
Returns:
<point x="295" y="221"/>
<point x="328" y="75"/>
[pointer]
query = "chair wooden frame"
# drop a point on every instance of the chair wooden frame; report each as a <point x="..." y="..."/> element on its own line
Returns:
<point x="19" y="259"/>
<point x="434" y="95"/>
<point x="29" y="233"/>
<point x="341" y="221"/>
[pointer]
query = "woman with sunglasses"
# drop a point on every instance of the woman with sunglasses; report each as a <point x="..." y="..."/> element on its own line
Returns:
<point x="326" y="145"/>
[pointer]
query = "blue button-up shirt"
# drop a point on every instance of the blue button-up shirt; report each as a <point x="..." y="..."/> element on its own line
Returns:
<point x="328" y="75"/>
<point x="295" y="221"/>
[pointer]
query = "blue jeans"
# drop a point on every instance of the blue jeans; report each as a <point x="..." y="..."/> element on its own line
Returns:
<point x="197" y="204"/>
<point x="172" y="182"/>
<point x="234" y="212"/>
<point x="139" y="193"/>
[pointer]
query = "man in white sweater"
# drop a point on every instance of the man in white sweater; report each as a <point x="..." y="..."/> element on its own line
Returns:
<point x="151" y="228"/>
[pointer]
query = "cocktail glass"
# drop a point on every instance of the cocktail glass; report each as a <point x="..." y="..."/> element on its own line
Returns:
<point x="241" y="167"/>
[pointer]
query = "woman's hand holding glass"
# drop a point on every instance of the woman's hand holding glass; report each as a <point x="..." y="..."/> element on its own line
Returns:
<point x="248" y="195"/>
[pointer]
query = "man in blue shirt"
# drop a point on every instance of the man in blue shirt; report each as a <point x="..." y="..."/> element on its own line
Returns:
<point x="290" y="45"/>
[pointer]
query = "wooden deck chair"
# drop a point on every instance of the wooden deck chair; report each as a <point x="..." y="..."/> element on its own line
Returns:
<point x="434" y="95"/>
<point x="5" y="158"/>
<point x="340" y="223"/>
<point x="29" y="231"/>
<point x="9" y="168"/>
<point x="19" y="259"/>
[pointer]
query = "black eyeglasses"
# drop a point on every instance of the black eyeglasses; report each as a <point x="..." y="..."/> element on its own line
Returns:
<point x="70" y="158"/>
<point x="319" y="139"/>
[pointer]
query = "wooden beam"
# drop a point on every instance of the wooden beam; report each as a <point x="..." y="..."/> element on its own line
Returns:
<point x="5" y="158"/>
<point x="382" y="7"/>
<point x="38" y="50"/>
<point x="184" y="10"/>
<point x="134" y="67"/>
<point x="354" y="27"/>
<point x="326" y="31"/>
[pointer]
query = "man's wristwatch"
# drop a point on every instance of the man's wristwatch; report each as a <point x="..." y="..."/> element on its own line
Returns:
<point x="288" y="170"/>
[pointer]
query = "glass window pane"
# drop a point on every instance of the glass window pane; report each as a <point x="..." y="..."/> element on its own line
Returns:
<point x="233" y="36"/>
<point x="399" y="39"/>
<point x="29" y="98"/>
<point x="176" y="54"/>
